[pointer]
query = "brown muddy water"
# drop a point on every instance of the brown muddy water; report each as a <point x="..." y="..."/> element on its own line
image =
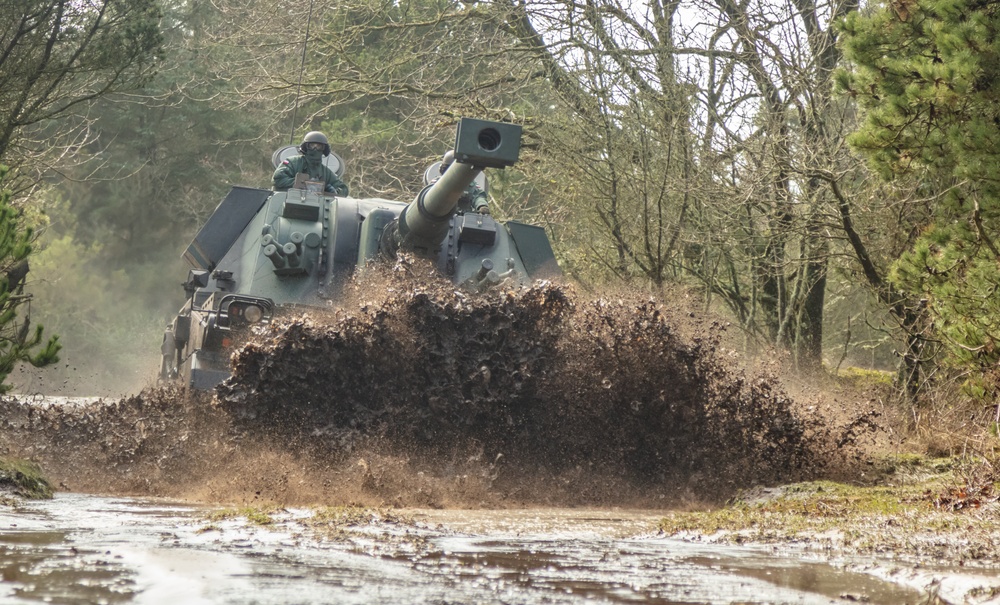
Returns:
<point x="547" y="414"/>
<point x="89" y="549"/>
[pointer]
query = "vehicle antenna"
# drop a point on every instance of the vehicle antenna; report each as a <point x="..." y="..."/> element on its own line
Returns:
<point x="302" y="68"/>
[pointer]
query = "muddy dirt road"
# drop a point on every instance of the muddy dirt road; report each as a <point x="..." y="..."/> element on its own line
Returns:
<point x="88" y="549"/>
<point x="547" y="413"/>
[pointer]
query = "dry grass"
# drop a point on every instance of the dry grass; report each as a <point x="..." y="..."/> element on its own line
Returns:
<point x="942" y="508"/>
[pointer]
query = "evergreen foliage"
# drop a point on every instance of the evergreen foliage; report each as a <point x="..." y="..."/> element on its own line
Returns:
<point x="17" y="340"/>
<point x="927" y="75"/>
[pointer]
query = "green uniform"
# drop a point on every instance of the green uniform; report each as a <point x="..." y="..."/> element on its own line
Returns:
<point x="284" y="176"/>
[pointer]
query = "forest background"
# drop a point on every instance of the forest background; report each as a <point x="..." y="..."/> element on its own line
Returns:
<point x="823" y="174"/>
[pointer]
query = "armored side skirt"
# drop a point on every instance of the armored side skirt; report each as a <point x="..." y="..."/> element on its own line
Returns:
<point x="205" y="374"/>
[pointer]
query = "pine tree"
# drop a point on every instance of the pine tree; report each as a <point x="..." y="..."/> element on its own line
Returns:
<point x="927" y="75"/>
<point x="17" y="340"/>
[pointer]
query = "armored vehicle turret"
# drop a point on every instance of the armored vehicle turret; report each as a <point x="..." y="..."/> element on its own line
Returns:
<point x="263" y="251"/>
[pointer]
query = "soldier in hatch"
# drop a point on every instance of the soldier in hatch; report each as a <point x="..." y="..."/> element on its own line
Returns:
<point x="474" y="199"/>
<point x="297" y="170"/>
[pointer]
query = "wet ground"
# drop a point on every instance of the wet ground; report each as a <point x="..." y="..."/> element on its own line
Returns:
<point x="88" y="549"/>
<point x="557" y="410"/>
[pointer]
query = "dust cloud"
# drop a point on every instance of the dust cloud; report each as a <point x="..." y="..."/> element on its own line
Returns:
<point x="422" y="395"/>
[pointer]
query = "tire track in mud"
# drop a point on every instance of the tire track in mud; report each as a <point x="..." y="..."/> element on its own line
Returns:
<point x="426" y="396"/>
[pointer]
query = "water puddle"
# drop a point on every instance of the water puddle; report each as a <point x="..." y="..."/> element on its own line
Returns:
<point x="88" y="549"/>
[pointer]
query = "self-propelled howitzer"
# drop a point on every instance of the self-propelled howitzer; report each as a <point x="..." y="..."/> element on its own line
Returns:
<point x="262" y="251"/>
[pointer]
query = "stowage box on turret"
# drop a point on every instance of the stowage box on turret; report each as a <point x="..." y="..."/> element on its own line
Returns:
<point x="262" y="250"/>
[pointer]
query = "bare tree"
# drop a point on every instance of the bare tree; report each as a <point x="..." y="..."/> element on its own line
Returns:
<point x="699" y="144"/>
<point x="731" y="107"/>
<point x="58" y="55"/>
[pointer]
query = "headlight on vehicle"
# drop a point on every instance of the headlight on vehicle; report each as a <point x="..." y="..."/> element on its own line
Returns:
<point x="253" y="314"/>
<point x="239" y="310"/>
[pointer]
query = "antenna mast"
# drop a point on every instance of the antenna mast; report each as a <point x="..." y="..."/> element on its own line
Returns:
<point x="302" y="68"/>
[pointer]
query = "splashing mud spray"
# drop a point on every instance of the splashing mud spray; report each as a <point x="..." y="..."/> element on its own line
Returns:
<point x="428" y="396"/>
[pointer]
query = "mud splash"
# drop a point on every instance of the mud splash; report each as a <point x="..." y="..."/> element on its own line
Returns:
<point x="535" y="376"/>
<point x="426" y="396"/>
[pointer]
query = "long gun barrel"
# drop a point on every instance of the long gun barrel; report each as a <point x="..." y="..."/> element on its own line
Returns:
<point x="479" y="144"/>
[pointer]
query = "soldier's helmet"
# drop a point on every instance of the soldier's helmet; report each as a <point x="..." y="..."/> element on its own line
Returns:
<point x="315" y="137"/>
<point x="446" y="161"/>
